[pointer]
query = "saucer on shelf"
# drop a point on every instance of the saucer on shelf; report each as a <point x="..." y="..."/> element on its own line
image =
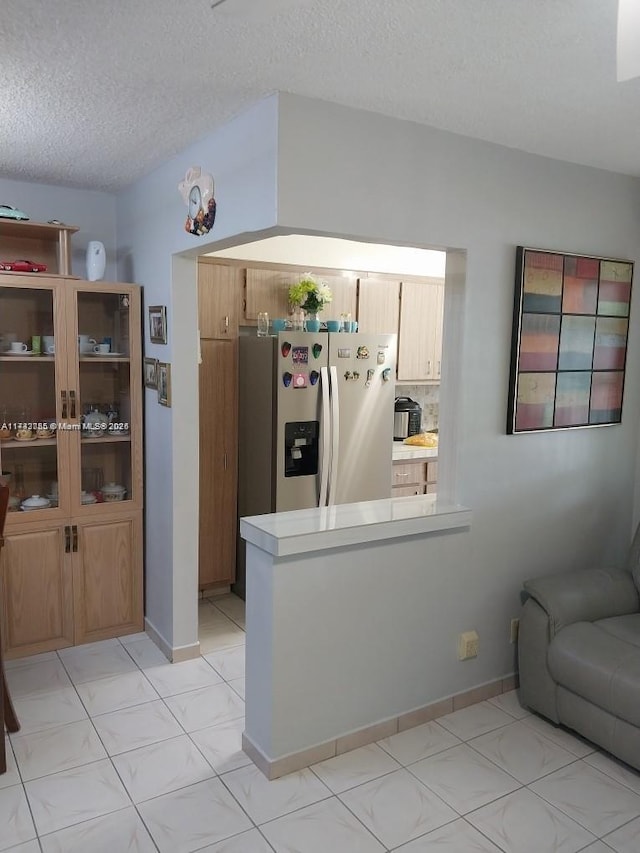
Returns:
<point x="106" y="354"/>
<point x="28" y="352"/>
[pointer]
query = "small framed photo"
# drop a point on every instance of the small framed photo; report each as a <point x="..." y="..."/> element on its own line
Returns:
<point x="164" y="383"/>
<point x="151" y="373"/>
<point x="158" y="324"/>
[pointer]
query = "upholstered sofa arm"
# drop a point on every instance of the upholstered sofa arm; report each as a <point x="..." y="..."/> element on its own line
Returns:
<point x="584" y="596"/>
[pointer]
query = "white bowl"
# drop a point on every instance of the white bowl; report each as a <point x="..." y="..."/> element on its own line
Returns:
<point x="35" y="502"/>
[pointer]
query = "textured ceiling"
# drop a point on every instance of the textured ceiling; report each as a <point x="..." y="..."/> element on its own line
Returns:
<point x="96" y="94"/>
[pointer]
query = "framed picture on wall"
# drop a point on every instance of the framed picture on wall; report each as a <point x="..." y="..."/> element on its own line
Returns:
<point x="164" y="384"/>
<point x="569" y="341"/>
<point x="151" y="373"/>
<point x="158" y="324"/>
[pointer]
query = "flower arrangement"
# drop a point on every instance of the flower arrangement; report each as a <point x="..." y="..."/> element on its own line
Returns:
<point x="310" y="293"/>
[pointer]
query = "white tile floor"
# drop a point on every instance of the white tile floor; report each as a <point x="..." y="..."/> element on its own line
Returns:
<point x="120" y="751"/>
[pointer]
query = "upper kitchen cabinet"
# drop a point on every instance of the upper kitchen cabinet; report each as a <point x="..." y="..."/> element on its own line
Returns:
<point x="420" y="331"/>
<point x="344" y="289"/>
<point x="220" y="300"/>
<point x="268" y="290"/>
<point x="378" y="305"/>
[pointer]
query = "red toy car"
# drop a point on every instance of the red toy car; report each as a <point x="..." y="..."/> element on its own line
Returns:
<point x="22" y="266"/>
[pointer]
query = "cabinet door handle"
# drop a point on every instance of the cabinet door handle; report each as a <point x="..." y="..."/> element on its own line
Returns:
<point x="72" y="398"/>
<point x="428" y="368"/>
<point x="75" y="538"/>
<point x="67" y="539"/>
<point x="226" y="324"/>
<point x="439" y="368"/>
<point x="225" y="461"/>
<point x="63" y="394"/>
<point x="402" y="474"/>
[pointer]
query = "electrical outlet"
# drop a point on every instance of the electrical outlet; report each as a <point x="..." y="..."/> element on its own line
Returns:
<point x="515" y="627"/>
<point x="468" y="643"/>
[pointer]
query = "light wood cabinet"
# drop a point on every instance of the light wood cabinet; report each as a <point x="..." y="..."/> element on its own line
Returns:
<point x="106" y="585"/>
<point x="218" y="462"/>
<point x="220" y="297"/>
<point x="378" y="305"/>
<point x="70" y="425"/>
<point x="414" y="477"/>
<point x="268" y="290"/>
<point x="420" y="331"/>
<point x="344" y="289"/>
<point x="38" y="591"/>
<point x="219" y="294"/>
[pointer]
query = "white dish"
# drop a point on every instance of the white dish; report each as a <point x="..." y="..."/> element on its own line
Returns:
<point x="35" y="502"/>
<point x="28" y="352"/>
<point x="88" y="499"/>
<point x="105" y="354"/>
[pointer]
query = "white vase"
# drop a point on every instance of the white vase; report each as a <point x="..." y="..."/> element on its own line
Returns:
<point x="96" y="260"/>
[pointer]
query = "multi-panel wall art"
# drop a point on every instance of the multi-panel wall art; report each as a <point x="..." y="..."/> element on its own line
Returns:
<point x="569" y="345"/>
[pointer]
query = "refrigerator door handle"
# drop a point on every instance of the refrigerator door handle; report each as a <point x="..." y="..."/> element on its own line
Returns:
<point x="335" y="435"/>
<point x="325" y="462"/>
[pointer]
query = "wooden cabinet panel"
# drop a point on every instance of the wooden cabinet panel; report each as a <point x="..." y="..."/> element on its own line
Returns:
<point x="220" y="300"/>
<point x="268" y="290"/>
<point x="420" y="337"/>
<point x="414" y="477"/>
<point x="406" y="491"/>
<point x="37" y="592"/>
<point x="407" y="473"/>
<point x="218" y="462"/>
<point x="344" y="289"/>
<point x="107" y="587"/>
<point x="378" y="305"/>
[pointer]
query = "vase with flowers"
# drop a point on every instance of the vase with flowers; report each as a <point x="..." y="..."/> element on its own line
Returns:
<point x="311" y="295"/>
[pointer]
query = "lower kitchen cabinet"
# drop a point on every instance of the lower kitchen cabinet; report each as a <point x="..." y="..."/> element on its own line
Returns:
<point x="37" y="594"/>
<point x="72" y="583"/>
<point x="414" y="477"/>
<point x="107" y="590"/>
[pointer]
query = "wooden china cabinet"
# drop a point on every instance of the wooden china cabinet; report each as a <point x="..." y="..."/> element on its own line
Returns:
<point x="72" y="568"/>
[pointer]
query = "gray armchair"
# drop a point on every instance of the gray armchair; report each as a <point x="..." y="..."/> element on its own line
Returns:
<point x="579" y="653"/>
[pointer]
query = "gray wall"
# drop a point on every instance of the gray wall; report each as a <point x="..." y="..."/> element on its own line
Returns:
<point x="242" y="157"/>
<point x="93" y="212"/>
<point x="542" y="503"/>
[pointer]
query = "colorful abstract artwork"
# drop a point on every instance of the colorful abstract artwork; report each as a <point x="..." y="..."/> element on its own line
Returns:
<point x="569" y="343"/>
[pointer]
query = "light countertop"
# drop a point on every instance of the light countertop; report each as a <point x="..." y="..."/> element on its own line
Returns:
<point x="304" y="530"/>
<point x="405" y="452"/>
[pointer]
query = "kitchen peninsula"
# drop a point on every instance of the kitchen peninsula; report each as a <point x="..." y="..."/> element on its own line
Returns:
<point x="334" y="595"/>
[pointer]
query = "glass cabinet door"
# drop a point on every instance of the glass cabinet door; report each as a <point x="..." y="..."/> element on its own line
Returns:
<point x="106" y="342"/>
<point x="31" y="374"/>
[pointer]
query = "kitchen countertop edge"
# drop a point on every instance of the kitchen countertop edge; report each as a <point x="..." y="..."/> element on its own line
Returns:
<point x="302" y="531"/>
<point x="406" y="452"/>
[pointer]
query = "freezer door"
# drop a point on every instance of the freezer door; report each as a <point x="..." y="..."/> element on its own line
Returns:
<point x="364" y="385"/>
<point x="299" y="446"/>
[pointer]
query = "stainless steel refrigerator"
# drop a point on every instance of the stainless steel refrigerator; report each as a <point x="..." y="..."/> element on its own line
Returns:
<point x="316" y="422"/>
